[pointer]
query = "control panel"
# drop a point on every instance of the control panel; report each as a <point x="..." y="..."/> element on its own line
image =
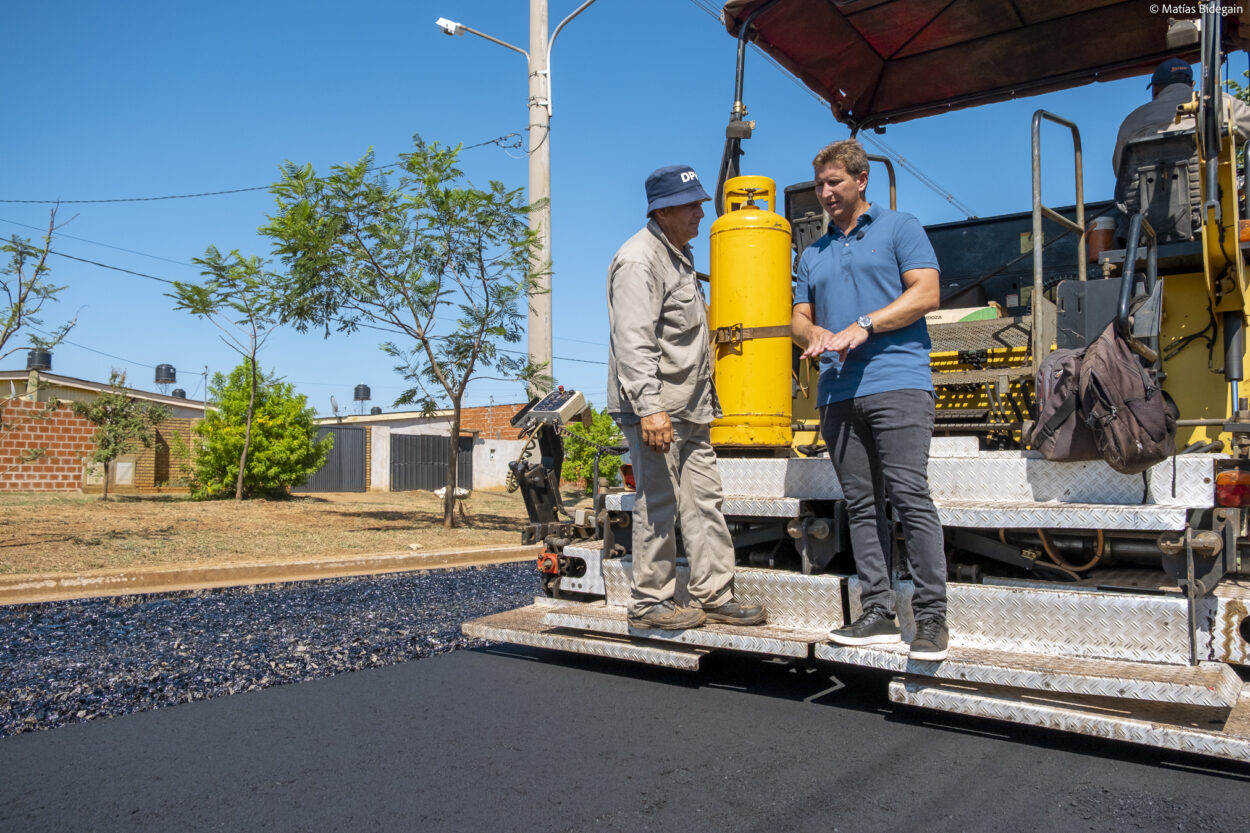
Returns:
<point x="558" y="407"/>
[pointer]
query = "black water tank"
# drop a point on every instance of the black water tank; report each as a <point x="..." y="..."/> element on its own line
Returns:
<point x="165" y="374"/>
<point x="39" y="360"/>
<point x="375" y="410"/>
<point x="178" y="393"/>
<point x="362" y="393"/>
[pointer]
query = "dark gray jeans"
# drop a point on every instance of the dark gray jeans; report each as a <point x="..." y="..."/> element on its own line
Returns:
<point x="879" y="445"/>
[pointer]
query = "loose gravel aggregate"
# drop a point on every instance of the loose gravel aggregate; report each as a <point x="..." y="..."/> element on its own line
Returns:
<point x="66" y="662"/>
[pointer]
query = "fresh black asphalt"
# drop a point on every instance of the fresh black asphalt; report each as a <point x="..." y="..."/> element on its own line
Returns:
<point x="509" y="739"/>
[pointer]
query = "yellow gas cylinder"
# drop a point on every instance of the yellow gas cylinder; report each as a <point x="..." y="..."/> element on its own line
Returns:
<point x="750" y="317"/>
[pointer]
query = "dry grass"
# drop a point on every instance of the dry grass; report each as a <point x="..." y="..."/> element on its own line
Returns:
<point x="41" y="533"/>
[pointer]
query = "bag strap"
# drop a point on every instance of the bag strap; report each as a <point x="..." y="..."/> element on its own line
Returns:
<point x="1044" y="432"/>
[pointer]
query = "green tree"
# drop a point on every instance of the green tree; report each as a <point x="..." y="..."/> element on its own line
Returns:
<point x="120" y="423"/>
<point x="238" y="299"/>
<point x="579" y="456"/>
<point x="442" y="265"/>
<point x="284" y="450"/>
<point x="24" y="283"/>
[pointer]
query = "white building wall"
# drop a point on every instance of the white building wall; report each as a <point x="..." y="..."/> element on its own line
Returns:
<point x="490" y="461"/>
<point x="379" y="458"/>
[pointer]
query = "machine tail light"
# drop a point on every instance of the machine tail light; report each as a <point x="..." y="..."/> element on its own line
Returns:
<point x="627" y="475"/>
<point x="1232" y="488"/>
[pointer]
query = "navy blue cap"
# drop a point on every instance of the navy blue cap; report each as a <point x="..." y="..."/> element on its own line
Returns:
<point x="1172" y="71"/>
<point x="673" y="185"/>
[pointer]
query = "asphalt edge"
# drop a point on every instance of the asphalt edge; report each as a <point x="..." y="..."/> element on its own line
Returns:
<point x="51" y="587"/>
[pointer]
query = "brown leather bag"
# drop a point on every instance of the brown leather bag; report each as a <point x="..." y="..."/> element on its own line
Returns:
<point x="1132" y="419"/>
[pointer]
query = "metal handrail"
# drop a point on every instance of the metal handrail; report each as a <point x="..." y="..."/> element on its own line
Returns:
<point x="1039" y="211"/>
<point x="889" y="169"/>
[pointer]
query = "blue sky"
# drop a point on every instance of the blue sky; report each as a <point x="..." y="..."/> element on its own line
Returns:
<point x="146" y="99"/>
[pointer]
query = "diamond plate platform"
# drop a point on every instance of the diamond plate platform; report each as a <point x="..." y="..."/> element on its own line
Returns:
<point x="999" y="479"/>
<point x="1167" y="727"/>
<point x="591" y="582"/>
<point x="732" y="507"/>
<point x="1001" y="514"/>
<point x="793" y="600"/>
<point x="1077" y="623"/>
<point x="801" y="477"/>
<point x="1027" y="476"/>
<point x="524" y="626"/>
<point x="761" y="639"/>
<point x="1210" y="684"/>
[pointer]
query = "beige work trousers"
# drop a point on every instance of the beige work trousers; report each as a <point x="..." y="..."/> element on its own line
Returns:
<point x="683" y="482"/>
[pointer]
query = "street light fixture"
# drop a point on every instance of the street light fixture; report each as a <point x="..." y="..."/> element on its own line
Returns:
<point x="449" y="27"/>
<point x="538" y="59"/>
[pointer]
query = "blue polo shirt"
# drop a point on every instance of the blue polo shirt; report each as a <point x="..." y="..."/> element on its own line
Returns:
<point x="844" y="276"/>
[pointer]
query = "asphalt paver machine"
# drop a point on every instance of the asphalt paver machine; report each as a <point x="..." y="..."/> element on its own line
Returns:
<point x="1080" y="599"/>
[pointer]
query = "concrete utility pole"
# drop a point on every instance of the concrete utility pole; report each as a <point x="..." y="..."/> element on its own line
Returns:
<point x="540" y="186"/>
<point x="538" y="59"/>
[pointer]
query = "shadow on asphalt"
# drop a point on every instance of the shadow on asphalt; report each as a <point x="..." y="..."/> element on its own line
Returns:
<point x="865" y="690"/>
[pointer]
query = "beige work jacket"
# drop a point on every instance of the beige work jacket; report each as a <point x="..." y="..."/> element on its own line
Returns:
<point x="658" y="354"/>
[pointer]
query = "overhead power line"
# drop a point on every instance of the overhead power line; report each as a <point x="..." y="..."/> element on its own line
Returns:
<point x="98" y="243"/>
<point x="513" y="140"/>
<point x="141" y="199"/>
<point x="106" y="266"/>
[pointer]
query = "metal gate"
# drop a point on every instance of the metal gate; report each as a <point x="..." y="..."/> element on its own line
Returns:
<point x="344" y="470"/>
<point x="419" y="461"/>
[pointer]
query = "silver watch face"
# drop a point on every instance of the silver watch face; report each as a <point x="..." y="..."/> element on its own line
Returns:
<point x="865" y="322"/>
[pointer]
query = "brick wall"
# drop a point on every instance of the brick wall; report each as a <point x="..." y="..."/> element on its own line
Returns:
<point x="491" y="421"/>
<point x="159" y="468"/>
<point x="68" y="440"/>
<point x="66" y="437"/>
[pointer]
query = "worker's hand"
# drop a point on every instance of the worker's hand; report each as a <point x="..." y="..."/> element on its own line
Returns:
<point x="819" y="341"/>
<point x="846" y="340"/>
<point x="657" y="432"/>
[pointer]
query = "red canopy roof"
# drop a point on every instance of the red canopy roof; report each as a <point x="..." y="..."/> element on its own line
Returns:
<point x="883" y="61"/>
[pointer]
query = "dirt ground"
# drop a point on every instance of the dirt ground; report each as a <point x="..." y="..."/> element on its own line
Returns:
<point x="42" y="533"/>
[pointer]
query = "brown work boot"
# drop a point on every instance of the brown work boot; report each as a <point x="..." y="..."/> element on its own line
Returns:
<point x="732" y="613"/>
<point x="666" y="617"/>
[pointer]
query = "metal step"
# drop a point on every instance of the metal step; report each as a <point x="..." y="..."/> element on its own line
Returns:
<point x="987" y="475"/>
<point x="1046" y="621"/>
<point x="1027" y="514"/>
<point x="1209" y="684"/>
<point x="982" y="513"/>
<point x="794" y="600"/>
<point x="983" y="334"/>
<point x="761" y="639"/>
<point x="989" y="375"/>
<point x="524" y="626"/>
<point x="1201" y="730"/>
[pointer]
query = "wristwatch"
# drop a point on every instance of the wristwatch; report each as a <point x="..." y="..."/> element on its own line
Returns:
<point x="865" y="322"/>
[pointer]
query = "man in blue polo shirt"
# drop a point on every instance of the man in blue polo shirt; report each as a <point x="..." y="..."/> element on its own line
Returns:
<point x="862" y="293"/>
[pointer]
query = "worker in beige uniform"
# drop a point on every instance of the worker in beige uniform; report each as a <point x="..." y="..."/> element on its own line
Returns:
<point x="660" y="392"/>
<point x="1171" y="85"/>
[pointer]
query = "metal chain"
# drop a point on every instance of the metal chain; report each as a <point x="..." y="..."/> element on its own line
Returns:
<point x="606" y="449"/>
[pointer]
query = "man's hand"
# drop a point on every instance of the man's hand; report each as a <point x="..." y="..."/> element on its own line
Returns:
<point x="820" y="341"/>
<point x="846" y="340"/>
<point x="657" y="432"/>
